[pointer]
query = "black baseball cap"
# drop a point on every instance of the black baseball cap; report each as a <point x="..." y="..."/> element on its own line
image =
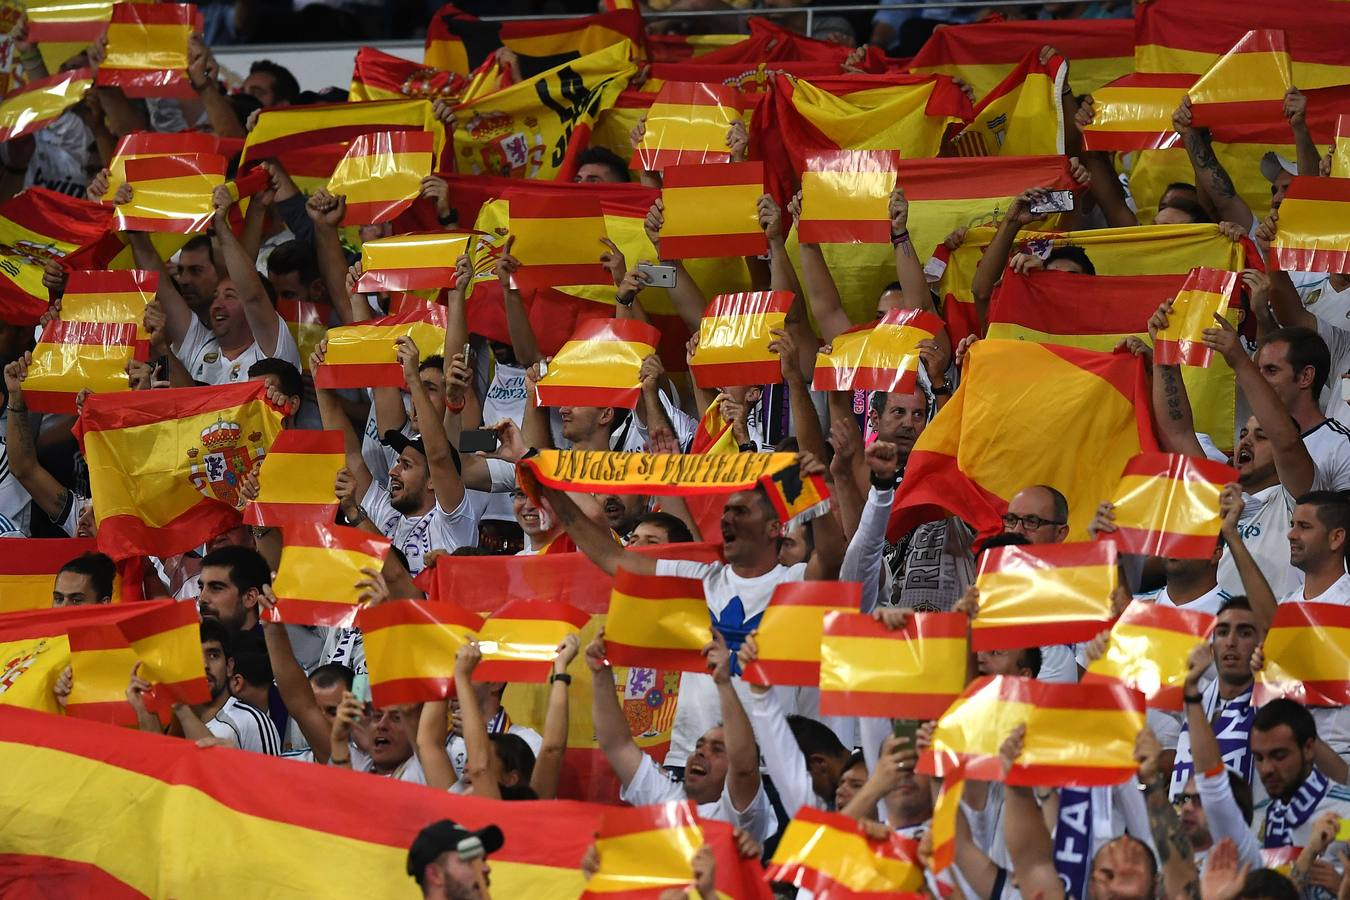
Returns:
<point x="400" y="442"/>
<point x="445" y="835"/>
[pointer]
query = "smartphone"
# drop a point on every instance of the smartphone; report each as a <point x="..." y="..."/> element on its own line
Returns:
<point x="659" y="276"/>
<point x="906" y="729"/>
<point x="1055" y="201"/>
<point x="478" y="439"/>
<point x="468" y="356"/>
<point x="361" y="688"/>
<point x="1345" y="395"/>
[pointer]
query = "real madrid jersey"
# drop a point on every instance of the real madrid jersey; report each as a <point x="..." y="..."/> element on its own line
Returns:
<point x="201" y="355"/>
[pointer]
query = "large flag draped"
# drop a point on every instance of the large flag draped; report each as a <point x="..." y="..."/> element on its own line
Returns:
<point x="1168" y="505"/>
<point x="599" y="364"/>
<point x="461" y="43"/>
<point x="165" y="465"/>
<point x="994" y="437"/>
<point x="867" y="669"/>
<point x="1043" y="594"/>
<point x="1022" y="115"/>
<point x="1147" y="651"/>
<point x="29" y="568"/>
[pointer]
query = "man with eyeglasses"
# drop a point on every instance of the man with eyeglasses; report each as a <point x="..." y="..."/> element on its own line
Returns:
<point x="1039" y="513"/>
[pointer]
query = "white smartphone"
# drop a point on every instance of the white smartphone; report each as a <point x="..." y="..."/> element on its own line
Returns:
<point x="658" y="276"/>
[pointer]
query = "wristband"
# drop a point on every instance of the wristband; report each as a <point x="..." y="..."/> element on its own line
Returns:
<point x="748" y="447"/>
<point x="454" y="407"/>
<point x="560" y="676"/>
<point x="942" y="390"/>
<point x="885" y="484"/>
<point x="1192" y="698"/>
<point x="901" y="238"/>
<point x="447" y="219"/>
<point x="625" y="303"/>
<point x="340" y="763"/>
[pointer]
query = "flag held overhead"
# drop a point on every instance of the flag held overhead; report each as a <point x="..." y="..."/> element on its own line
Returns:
<point x="846" y="196"/>
<point x="1167" y="505"/>
<point x="1042" y="594"/>
<point x="320" y="567"/>
<point x="1313" y="234"/>
<point x="790" y="630"/>
<point x="1205" y="294"/>
<point x="147" y="53"/>
<point x="1147" y="651"/>
<point x="712" y="211"/>
<point x="867" y="669"/>
<point x="657" y="621"/>
<point x="734" y="337"/>
<point x="599" y="365"/>
<point x="381" y="174"/>
<point x="411" y="647"/>
<point x="363" y="355"/>
<point x="1307" y="655"/>
<point x="296" y="479"/>
<point x="1246" y="85"/>
<point x="687" y="124"/>
<point x="877" y="356"/>
<point x="412" y="262"/>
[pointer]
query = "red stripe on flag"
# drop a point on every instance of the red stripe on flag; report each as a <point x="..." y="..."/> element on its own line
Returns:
<point x="729" y="175"/>
<point x="709" y="246"/>
<point x="655" y="657"/>
<point x="883" y="704"/>
<point x="359" y="375"/>
<point x="399" y="691"/>
<point x="1039" y="634"/>
<point x="844" y="231"/>
<point x="1141" y="542"/>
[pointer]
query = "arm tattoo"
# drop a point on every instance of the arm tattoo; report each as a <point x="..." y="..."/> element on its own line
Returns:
<point x="1173" y="846"/>
<point x="1204" y="160"/>
<point x="907" y="248"/>
<point x="1172" y="392"/>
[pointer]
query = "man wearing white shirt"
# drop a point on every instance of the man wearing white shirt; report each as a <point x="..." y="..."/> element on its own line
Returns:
<point x="1317" y="535"/>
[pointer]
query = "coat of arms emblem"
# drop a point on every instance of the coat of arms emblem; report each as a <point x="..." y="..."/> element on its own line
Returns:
<point x="222" y="460"/>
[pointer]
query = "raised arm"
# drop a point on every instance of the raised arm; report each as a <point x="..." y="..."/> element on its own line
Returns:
<point x="596" y="541"/>
<point x="1210" y="175"/>
<point x="1171" y="403"/>
<point x="457" y="317"/>
<point x="262" y="317"/>
<point x="1024" y="832"/>
<point x="990" y="268"/>
<point x="477" y="745"/>
<point x="908" y="269"/>
<point x="523" y="341"/>
<point x="48" y="493"/>
<point x="1296" y="114"/>
<point x="445" y="477"/>
<point x="294" y="687"/>
<point x="826" y="306"/>
<point x="534" y="422"/>
<point x="1181" y="878"/>
<point x="432" y="734"/>
<point x="548" y="765"/>
<point x="612" y="732"/>
<point x="334" y="418"/>
<point x="1254" y="583"/>
<point x="177" y="314"/>
<point x="686" y="296"/>
<point x="325" y="213"/>
<point x="743" y="781"/>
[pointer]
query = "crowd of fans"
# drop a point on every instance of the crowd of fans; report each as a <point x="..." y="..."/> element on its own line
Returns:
<point x="1218" y="783"/>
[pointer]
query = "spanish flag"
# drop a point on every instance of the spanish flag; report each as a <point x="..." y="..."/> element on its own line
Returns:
<point x="658" y="621"/>
<point x="1022" y="116"/>
<point x="877" y="356"/>
<point x="1307" y="655"/>
<point x="164" y="466"/>
<point x="461" y="43"/>
<point x="39" y="103"/>
<point x="28" y="570"/>
<point x="74" y="773"/>
<point x="990" y="440"/>
<point x="67" y="21"/>
<point x="167" y="642"/>
<point x="687" y="125"/>
<point x="381" y="174"/>
<point x="644" y="850"/>
<point x="297" y="477"/>
<point x="598" y="366"/>
<point x="829" y="855"/>
<point x="1134" y="112"/>
<point x="1077" y="734"/>
<point x="535" y="128"/>
<point x="377" y="75"/>
<point x="281" y="132"/>
<point x="1312" y="235"/>
<point x="713" y="434"/>
<point x="1340" y="151"/>
<point x="913" y="673"/>
<point x="946" y="807"/>
<point x="1168" y="505"/>
<point x="320" y="566"/>
<point x="733" y="340"/>
<point x="171" y="193"/>
<point x="1191" y="36"/>
<point x="983" y="53"/>
<point x="520" y="640"/>
<point x="147" y="49"/>
<point x="412" y="262"/>
<point x="308" y="324"/>
<point x="713" y="211"/>
<point x="790" y="630"/>
<point x="1205" y="294"/>
<point x="411" y="647"/>
<point x="37" y="225"/>
<point x="1043" y="594"/>
<point x="846" y="195"/>
<point x="101" y="661"/>
<point x="1147" y="651"/>
<point x="150" y="144"/>
<point x="362" y="355"/>
<point x="71" y="356"/>
<point x="557" y="243"/>
<point x="1247" y="84"/>
<point x="113" y="297"/>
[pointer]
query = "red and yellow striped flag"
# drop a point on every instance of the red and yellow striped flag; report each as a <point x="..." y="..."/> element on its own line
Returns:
<point x="67" y="21"/>
<point x="520" y="640"/>
<point x="687" y="125"/>
<point x="147" y="49"/>
<point x="946" y="807"/>
<point x="362" y="355"/>
<point x="381" y="174"/>
<point x="171" y="193"/>
<point x="846" y="195"/>
<point x="320" y="566"/>
<point x="1077" y="734"/>
<point x="877" y="356"/>
<point x="1246" y="85"/>
<point x="377" y="75"/>
<point x="39" y="103"/>
<point x="1148" y="649"/>
<point x="1307" y="655"/>
<point x="296" y="479"/>
<point x="829" y="855"/>
<point x="150" y="144"/>
<point x="1134" y="112"/>
<point x="28" y="570"/>
<point x="164" y="466"/>
<point x="113" y="297"/>
<point x="713" y="434"/>
<point x="1022" y="116"/>
<point x="657" y="621"/>
<point x="1313" y="235"/>
<point x="1205" y="294"/>
<point x="713" y="211"/>
<point x="644" y="851"/>
<point x="101" y="661"/>
<point x="1340" y="151"/>
<point x="733" y="340"/>
<point x="71" y="356"/>
<point x="167" y="642"/>
<point x="1043" y="594"/>
<point x="1167" y="505"/>
<point x="37" y="225"/>
<point x="308" y="324"/>
<point x="789" y="632"/>
<point x="867" y="669"/>
<point x="598" y="366"/>
<point x="412" y="262"/>
<point x="557" y="243"/>
<point x="461" y="43"/>
<point x="411" y="647"/>
<point x="285" y="130"/>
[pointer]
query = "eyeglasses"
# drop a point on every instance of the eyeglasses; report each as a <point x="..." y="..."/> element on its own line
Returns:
<point x="1182" y="799"/>
<point x="1028" y="523"/>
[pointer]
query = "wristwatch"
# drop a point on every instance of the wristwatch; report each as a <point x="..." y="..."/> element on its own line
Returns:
<point x="625" y="302"/>
<point x="560" y="676"/>
<point x="944" y="389"/>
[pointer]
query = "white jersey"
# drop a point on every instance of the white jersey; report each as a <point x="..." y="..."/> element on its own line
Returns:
<point x="651" y="785"/>
<point x="459" y="754"/>
<point x="504" y="397"/>
<point x="201" y="355"/>
<point x="735" y="604"/>
<point x="1209" y="602"/>
<point x="1337" y="339"/>
<point x="1328" y="444"/>
<point x="249" y="728"/>
<point x="417" y="536"/>
<point x="15" y="504"/>
<point x="1264" y="527"/>
<point x="1338" y="593"/>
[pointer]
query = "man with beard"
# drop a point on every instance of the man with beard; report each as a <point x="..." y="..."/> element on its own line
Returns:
<point x="85" y="580"/>
<point x="231" y="583"/>
<point x="449" y="862"/>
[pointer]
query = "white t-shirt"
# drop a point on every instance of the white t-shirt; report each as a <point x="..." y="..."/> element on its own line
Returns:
<point x="1329" y="446"/>
<point x="200" y="354"/>
<point x="1328" y="304"/>
<point x="379" y="458"/>
<point x="15" y="504"/>
<point x="1338" y="593"/>
<point x="735" y="604"/>
<point x="458" y="754"/>
<point x="1059" y="664"/>
<point x="418" y="536"/>
<point x="1264" y="527"/>
<point x="652" y="785"/>
<point x="504" y="397"/>
<point x="1209" y="602"/>
<point x="249" y="728"/>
